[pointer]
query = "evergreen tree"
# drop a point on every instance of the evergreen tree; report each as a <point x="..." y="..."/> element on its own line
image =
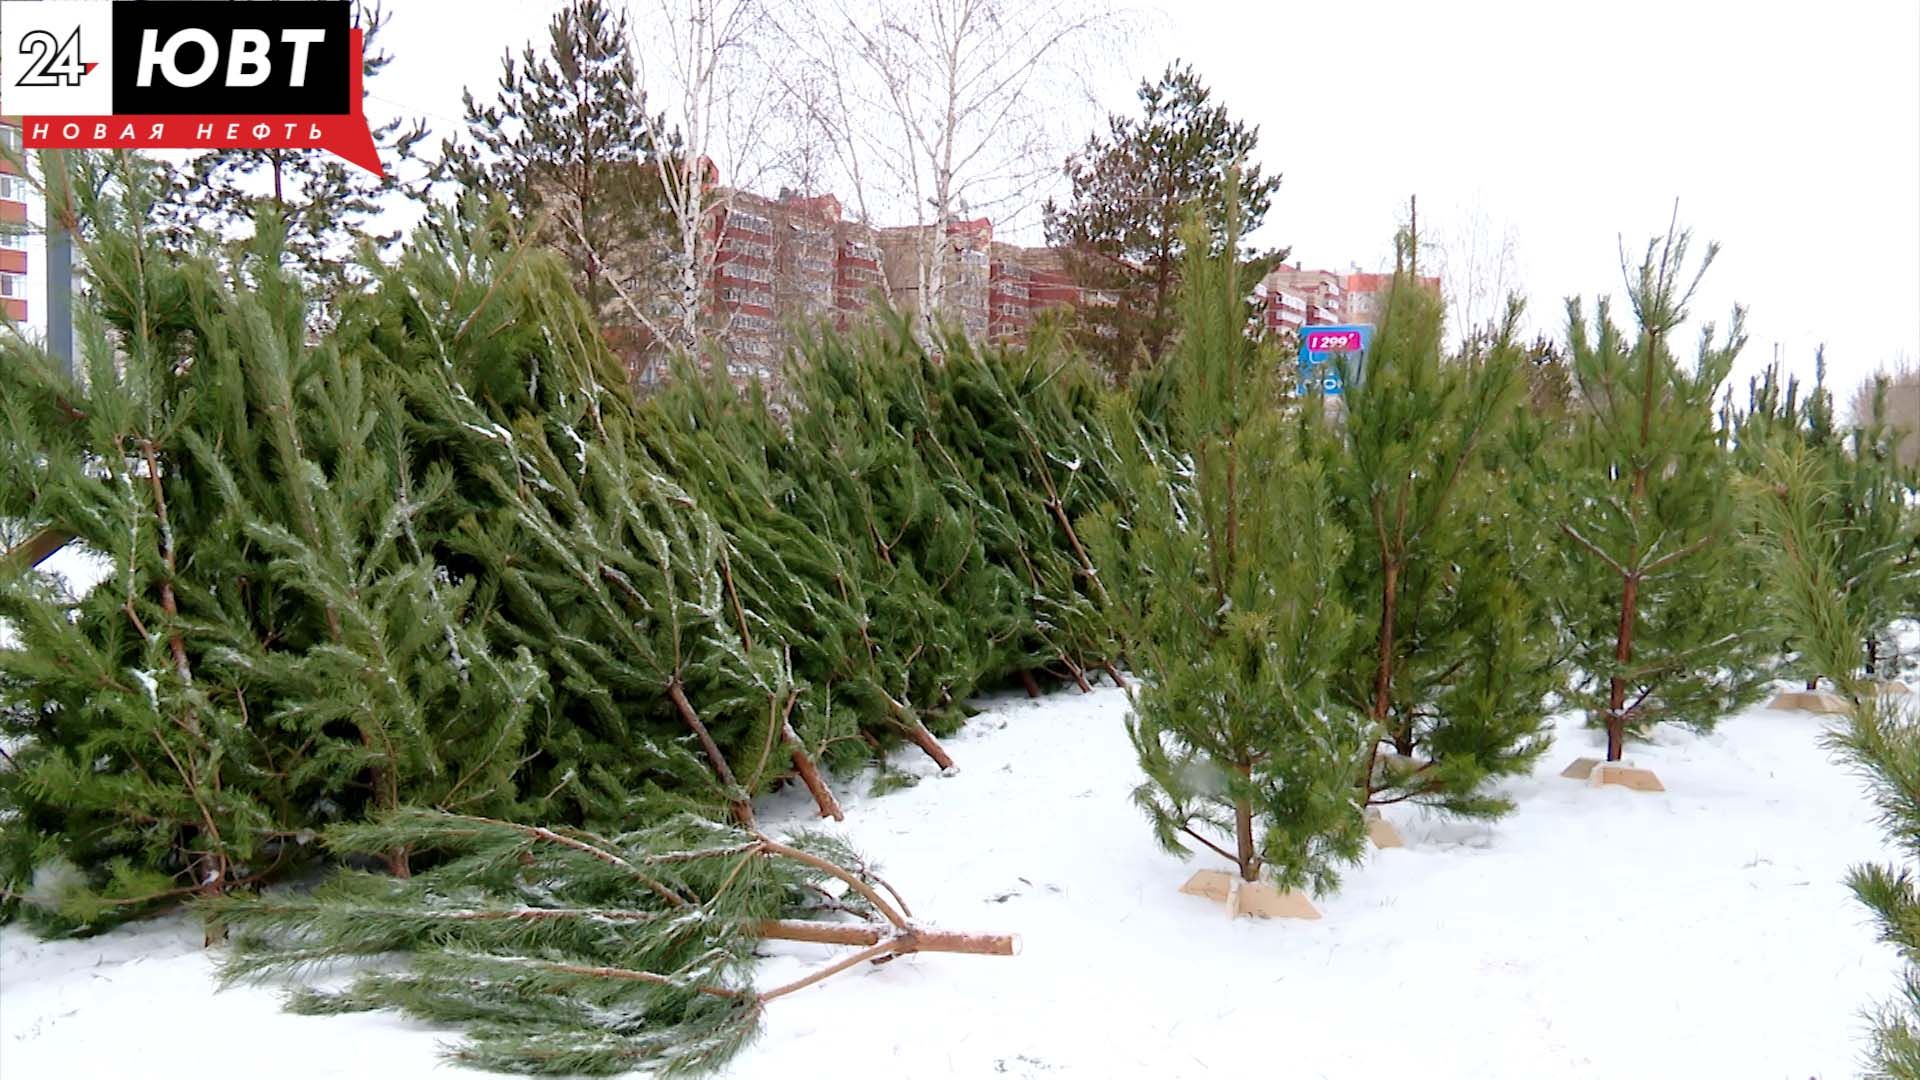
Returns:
<point x="567" y="952"/>
<point x="1122" y="228"/>
<point x="1454" y="662"/>
<point x="325" y="205"/>
<point x="275" y="648"/>
<point x="1796" y="501"/>
<point x="1868" y="513"/>
<point x="1658" y="600"/>
<point x="1234" y="609"/>
<point x="565" y="144"/>
<point x="585" y="550"/>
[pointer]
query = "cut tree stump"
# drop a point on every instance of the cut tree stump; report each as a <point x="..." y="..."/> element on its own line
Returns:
<point x="1818" y="702"/>
<point x="1619" y="773"/>
<point x="1382" y="832"/>
<point x="1256" y="898"/>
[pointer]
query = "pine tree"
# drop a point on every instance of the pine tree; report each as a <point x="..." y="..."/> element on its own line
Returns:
<point x="1658" y="599"/>
<point x="565" y="144"/>
<point x="1234" y="611"/>
<point x="1868" y="512"/>
<point x="566" y="952"/>
<point x="1795" y="500"/>
<point x="326" y="206"/>
<point x="1122" y="228"/>
<point x="1455" y="659"/>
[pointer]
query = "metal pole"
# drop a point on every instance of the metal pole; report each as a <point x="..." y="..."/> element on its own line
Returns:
<point x="59" y="259"/>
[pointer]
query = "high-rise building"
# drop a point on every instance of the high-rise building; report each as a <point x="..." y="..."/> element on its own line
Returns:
<point x="14" y="194"/>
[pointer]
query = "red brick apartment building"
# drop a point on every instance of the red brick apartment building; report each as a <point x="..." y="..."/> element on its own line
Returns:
<point x="786" y="263"/>
<point x="14" y="193"/>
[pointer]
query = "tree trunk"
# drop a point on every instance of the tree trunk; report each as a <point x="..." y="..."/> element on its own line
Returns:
<point x="1383" y="670"/>
<point x="1114" y="673"/>
<point x="742" y="810"/>
<point x="1622" y="654"/>
<point x="1243" y="834"/>
<point x="1813" y="683"/>
<point x="922" y="738"/>
<point x="920" y="940"/>
<point x="810" y="775"/>
<point x="1026" y="680"/>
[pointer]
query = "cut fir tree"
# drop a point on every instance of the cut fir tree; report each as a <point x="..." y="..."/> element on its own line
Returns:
<point x="1659" y="595"/>
<point x="563" y="951"/>
<point x="1231" y="605"/>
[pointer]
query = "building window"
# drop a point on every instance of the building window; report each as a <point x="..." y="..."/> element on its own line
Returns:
<point x="12" y="187"/>
<point x="10" y="139"/>
<point x="13" y="285"/>
<point x="14" y="240"/>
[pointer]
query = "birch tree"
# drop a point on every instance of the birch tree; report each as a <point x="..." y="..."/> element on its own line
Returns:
<point x="937" y="110"/>
<point x="723" y="130"/>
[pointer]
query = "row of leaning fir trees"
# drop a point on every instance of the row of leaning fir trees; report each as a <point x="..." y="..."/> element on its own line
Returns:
<point x="425" y="591"/>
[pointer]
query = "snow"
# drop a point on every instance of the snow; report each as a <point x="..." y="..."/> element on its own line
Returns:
<point x="1595" y="932"/>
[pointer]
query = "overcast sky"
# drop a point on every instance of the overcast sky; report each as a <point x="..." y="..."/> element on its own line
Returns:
<point x="1789" y="132"/>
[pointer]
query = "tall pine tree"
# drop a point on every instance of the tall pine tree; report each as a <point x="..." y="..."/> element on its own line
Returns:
<point x="1455" y="658"/>
<point x="325" y="205"/>
<point x="1234" y="609"/>
<point x="1122" y="230"/>
<point x="1658" y="599"/>
<point x="565" y="144"/>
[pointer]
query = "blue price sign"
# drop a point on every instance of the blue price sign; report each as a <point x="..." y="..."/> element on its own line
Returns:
<point x="1319" y="345"/>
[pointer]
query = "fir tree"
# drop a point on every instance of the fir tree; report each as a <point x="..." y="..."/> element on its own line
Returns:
<point x="1122" y="228"/>
<point x="565" y="144"/>
<point x="1658" y="600"/>
<point x="1234" y="610"/>
<point x="566" y="952"/>
<point x="325" y="205"/>
<point x="275" y="647"/>
<point x="587" y="552"/>
<point x="1454" y="662"/>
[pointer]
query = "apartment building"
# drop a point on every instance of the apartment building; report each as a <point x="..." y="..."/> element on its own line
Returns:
<point x="14" y="195"/>
<point x="1367" y="292"/>
<point x="1297" y="297"/>
<point x="1292" y="297"/>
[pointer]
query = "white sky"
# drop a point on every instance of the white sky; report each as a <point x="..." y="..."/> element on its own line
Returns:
<point x="1789" y="132"/>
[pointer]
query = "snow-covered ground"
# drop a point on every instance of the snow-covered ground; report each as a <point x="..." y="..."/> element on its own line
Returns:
<point x="1703" y="932"/>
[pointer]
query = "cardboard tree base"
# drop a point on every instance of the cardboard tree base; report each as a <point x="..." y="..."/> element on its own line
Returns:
<point x="1256" y="898"/>
<point x="1597" y="772"/>
<point x="1892" y="689"/>
<point x="1818" y="702"/>
<point x="1382" y="832"/>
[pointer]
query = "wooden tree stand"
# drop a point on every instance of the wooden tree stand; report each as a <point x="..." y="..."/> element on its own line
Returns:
<point x="1597" y="772"/>
<point x="1256" y="898"/>
<point x="1818" y="702"/>
<point x="1382" y="832"/>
